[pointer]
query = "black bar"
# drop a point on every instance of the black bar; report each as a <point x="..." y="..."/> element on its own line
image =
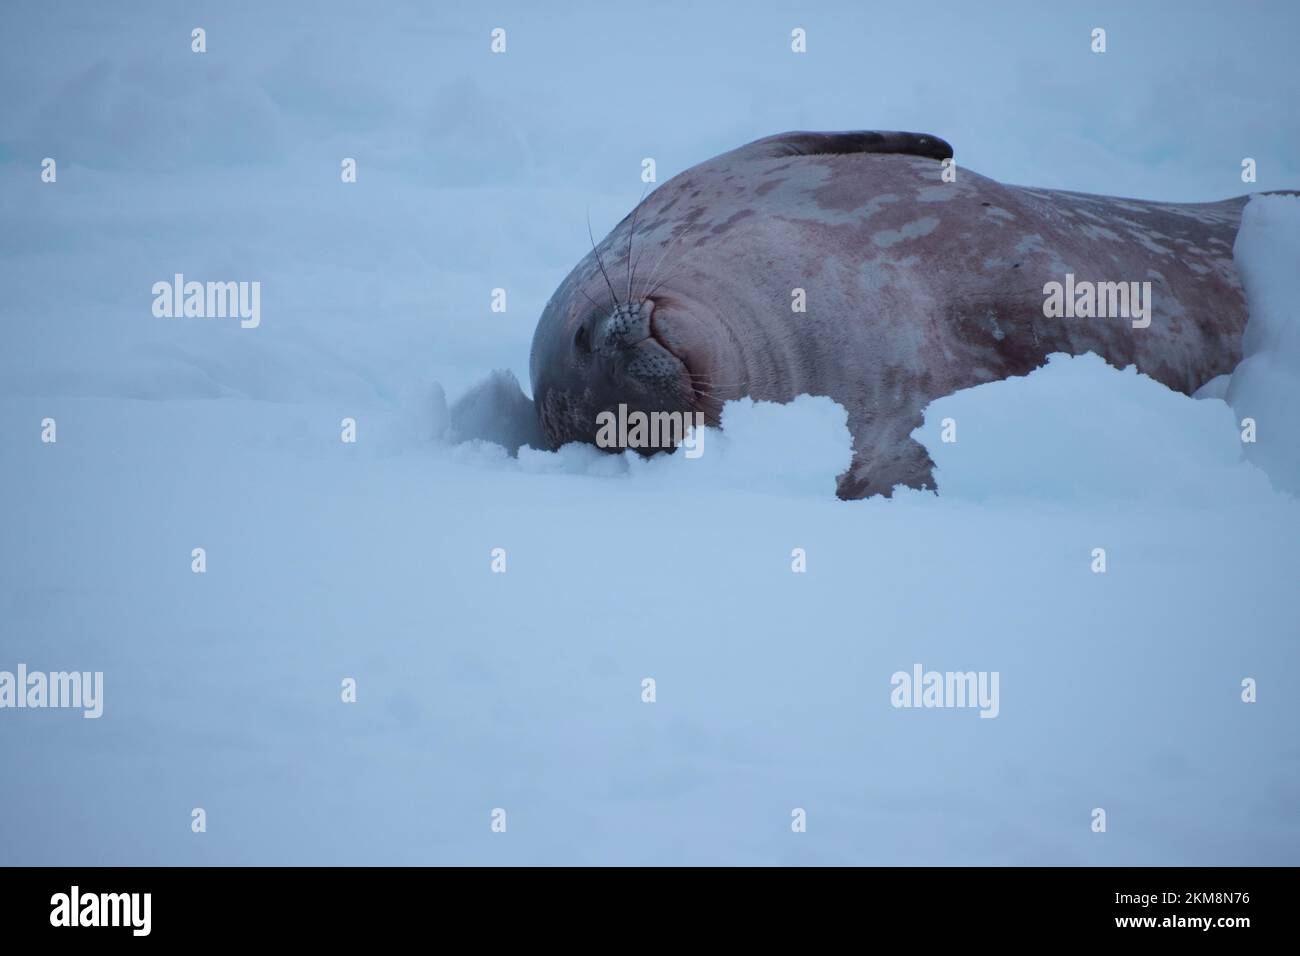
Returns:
<point x="333" y="905"/>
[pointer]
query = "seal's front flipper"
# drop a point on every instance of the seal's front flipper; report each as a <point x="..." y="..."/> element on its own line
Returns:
<point x="497" y="410"/>
<point x="882" y="463"/>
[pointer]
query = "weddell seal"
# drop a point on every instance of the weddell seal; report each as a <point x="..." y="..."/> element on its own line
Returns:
<point x="849" y="265"/>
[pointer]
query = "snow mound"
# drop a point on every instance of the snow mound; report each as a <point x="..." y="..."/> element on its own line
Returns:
<point x="797" y="448"/>
<point x="496" y="410"/>
<point x="1075" y="429"/>
<point x="1079" y="429"/>
<point x="1266" y="385"/>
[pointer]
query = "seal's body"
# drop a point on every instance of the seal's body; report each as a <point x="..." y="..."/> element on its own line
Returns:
<point x="843" y="264"/>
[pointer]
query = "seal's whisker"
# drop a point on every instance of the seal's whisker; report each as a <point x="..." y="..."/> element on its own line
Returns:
<point x="672" y="273"/>
<point x="710" y="406"/>
<point x="703" y="386"/>
<point x="695" y="399"/>
<point x="664" y="255"/>
<point x="601" y="263"/>
<point x="631" y="270"/>
<point x="708" y="384"/>
<point x="651" y="285"/>
<point x="594" y="303"/>
<point x="668" y="277"/>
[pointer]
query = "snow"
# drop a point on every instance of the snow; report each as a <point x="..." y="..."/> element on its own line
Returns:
<point x="522" y="690"/>
<point x="1078" y="431"/>
<point x="1265" y="386"/>
<point x="496" y="410"/>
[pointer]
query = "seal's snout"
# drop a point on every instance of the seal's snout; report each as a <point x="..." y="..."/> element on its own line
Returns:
<point x="627" y="326"/>
<point x="633" y="361"/>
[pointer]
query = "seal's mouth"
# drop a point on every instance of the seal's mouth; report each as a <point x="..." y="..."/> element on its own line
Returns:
<point x="677" y="332"/>
<point x="662" y="336"/>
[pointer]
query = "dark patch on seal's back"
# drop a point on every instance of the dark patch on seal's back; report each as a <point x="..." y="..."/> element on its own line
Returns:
<point x="722" y="227"/>
<point x="800" y="143"/>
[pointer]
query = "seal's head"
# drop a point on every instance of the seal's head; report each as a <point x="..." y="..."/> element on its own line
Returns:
<point x="602" y="343"/>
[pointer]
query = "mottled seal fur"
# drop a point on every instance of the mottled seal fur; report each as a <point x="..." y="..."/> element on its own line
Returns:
<point x="914" y="288"/>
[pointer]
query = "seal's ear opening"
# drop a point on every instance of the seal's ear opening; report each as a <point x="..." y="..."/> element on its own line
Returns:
<point x="799" y="143"/>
